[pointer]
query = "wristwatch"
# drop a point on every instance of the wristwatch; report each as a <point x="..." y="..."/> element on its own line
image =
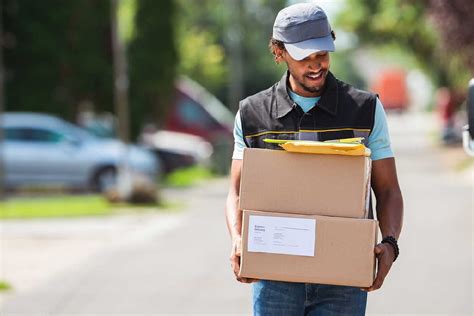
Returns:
<point x="392" y="242"/>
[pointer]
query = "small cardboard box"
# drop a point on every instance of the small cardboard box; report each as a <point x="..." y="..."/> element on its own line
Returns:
<point x="314" y="249"/>
<point x="312" y="184"/>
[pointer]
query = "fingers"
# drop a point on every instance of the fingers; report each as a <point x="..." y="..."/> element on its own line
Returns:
<point x="246" y="280"/>
<point x="378" y="281"/>
<point x="379" y="249"/>
<point x="238" y="248"/>
<point x="235" y="257"/>
<point x="235" y="261"/>
<point x="384" y="263"/>
<point x="236" y="265"/>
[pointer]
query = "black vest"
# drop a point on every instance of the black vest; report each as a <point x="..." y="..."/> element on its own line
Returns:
<point x="341" y="112"/>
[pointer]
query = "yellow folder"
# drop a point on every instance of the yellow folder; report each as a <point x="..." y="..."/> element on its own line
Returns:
<point x="347" y="147"/>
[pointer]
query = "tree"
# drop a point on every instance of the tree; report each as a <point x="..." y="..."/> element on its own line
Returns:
<point x="57" y="54"/>
<point x="455" y="23"/>
<point x="404" y="24"/>
<point x="260" y="71"/>
<point x="205" y="41"/>
<point x="199" y="29"/>
<point x="152" y="62"/>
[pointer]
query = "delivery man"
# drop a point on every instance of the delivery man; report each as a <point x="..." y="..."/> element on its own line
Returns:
<point x="310" y="103"/>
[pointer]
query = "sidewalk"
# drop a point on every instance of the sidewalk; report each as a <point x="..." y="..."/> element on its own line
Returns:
<point x="144" y="264"/>
<point x="433" y="274"/>
<point x="34" y="251"/>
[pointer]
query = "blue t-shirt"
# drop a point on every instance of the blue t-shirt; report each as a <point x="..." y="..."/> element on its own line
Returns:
<point x="378" y="142"/>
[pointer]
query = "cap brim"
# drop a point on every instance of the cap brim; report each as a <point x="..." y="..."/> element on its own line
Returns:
<point x="301" y="50"/>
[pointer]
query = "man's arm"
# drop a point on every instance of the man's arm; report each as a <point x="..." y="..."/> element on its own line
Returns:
<point x="389" y="213"/>
<point x="234" y="218"/>
<point x="232" y="211"/>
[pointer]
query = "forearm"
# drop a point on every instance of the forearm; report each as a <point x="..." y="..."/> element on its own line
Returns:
<point x="233" y="215"/>
<point x="390" y="212"/>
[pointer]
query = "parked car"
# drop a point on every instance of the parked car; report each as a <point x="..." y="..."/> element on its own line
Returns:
<point x="468" y="133"/>
<point x="196" y="111"/>
<point x="44" y="150"/>
<point x="392" y="89"/>
<point x="178" y="150"/>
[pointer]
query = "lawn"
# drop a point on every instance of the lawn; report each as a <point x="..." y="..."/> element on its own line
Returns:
<point x="94" y="205"/>
<point x="56" y="206"/>
<point x="5" y="286"/>
<point x="187" y="177"/>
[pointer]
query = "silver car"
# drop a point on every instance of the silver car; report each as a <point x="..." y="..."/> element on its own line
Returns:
<point x="43" y="150"/>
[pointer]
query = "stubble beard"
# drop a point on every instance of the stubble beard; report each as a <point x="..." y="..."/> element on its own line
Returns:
<point x="306" y="88"/>
<point x="318" y="89"/>
<point x="310" y="89"/>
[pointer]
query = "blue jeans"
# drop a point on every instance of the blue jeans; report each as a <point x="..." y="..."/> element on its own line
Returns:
<point x="285" y="298"/>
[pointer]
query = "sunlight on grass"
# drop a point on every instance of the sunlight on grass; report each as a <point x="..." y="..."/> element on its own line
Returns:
<point x="187" y="176"/>
<point x="465" y="164"/>
<point x="63" y="206"/>
<point x="77" y="206"/>
<point x="4" y="286"/>
<point x="96" y="205"/>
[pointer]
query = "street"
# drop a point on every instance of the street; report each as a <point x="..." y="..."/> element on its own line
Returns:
<point x="177" y="262"/>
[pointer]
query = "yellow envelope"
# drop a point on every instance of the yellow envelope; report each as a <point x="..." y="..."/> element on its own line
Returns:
<point x="333" y="148"/>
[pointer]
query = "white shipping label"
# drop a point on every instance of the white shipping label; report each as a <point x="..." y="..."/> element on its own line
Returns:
<point x="282" y="235"/>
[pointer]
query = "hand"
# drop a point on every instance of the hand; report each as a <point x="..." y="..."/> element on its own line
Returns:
<point x="385" y="256"/>
<point x="235" y="260"/>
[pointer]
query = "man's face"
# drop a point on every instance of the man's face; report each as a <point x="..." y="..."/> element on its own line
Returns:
<point x="307" y="76"/>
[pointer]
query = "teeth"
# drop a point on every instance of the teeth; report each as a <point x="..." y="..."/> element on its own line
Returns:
<point x="315" y="76"/>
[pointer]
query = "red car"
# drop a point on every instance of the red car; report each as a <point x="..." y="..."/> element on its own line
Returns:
<point x="197" y="112"/>
<point x="392" y="90"/>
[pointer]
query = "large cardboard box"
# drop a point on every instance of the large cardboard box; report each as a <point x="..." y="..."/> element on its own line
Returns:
<point x="329" y="185"/>
<point x="308" y="248"/>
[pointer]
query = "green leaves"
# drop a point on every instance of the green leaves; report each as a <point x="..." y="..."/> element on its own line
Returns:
<point x="202" y="58"/>
<point x="152" y="59"/>
<point x="57" y="55"/>
<point x="408" y="25"/>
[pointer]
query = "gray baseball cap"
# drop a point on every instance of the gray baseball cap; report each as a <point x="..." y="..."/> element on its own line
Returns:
<point x="304" y="29"/>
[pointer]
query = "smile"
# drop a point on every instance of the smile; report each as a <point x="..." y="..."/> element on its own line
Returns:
<point x="315" y="76"/>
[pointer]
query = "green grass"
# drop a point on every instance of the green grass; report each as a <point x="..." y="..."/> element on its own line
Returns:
<point x="94" y="205"/>
<point x="4" y="286"/>
<point x="465" y="164"/>
<point x="76" y="206"/>
<point x="63" y="206"/>
<point x="187" y="177"/>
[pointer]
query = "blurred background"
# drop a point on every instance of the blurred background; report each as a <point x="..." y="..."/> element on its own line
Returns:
<point x="116" y="121"/>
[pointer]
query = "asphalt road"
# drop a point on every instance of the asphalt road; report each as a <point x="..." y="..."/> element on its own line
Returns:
<point x="434" y="272"/>
<point x="152" y="264"/>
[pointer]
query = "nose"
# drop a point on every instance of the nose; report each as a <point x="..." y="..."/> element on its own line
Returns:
<point x="314" y="63"/>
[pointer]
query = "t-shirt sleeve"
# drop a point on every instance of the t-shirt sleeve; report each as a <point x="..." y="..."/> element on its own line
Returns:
<point x="379" y="139"/>
<point x="239" y="143"/>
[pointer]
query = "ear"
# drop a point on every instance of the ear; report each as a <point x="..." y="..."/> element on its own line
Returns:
<point x="279" y="55"/>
